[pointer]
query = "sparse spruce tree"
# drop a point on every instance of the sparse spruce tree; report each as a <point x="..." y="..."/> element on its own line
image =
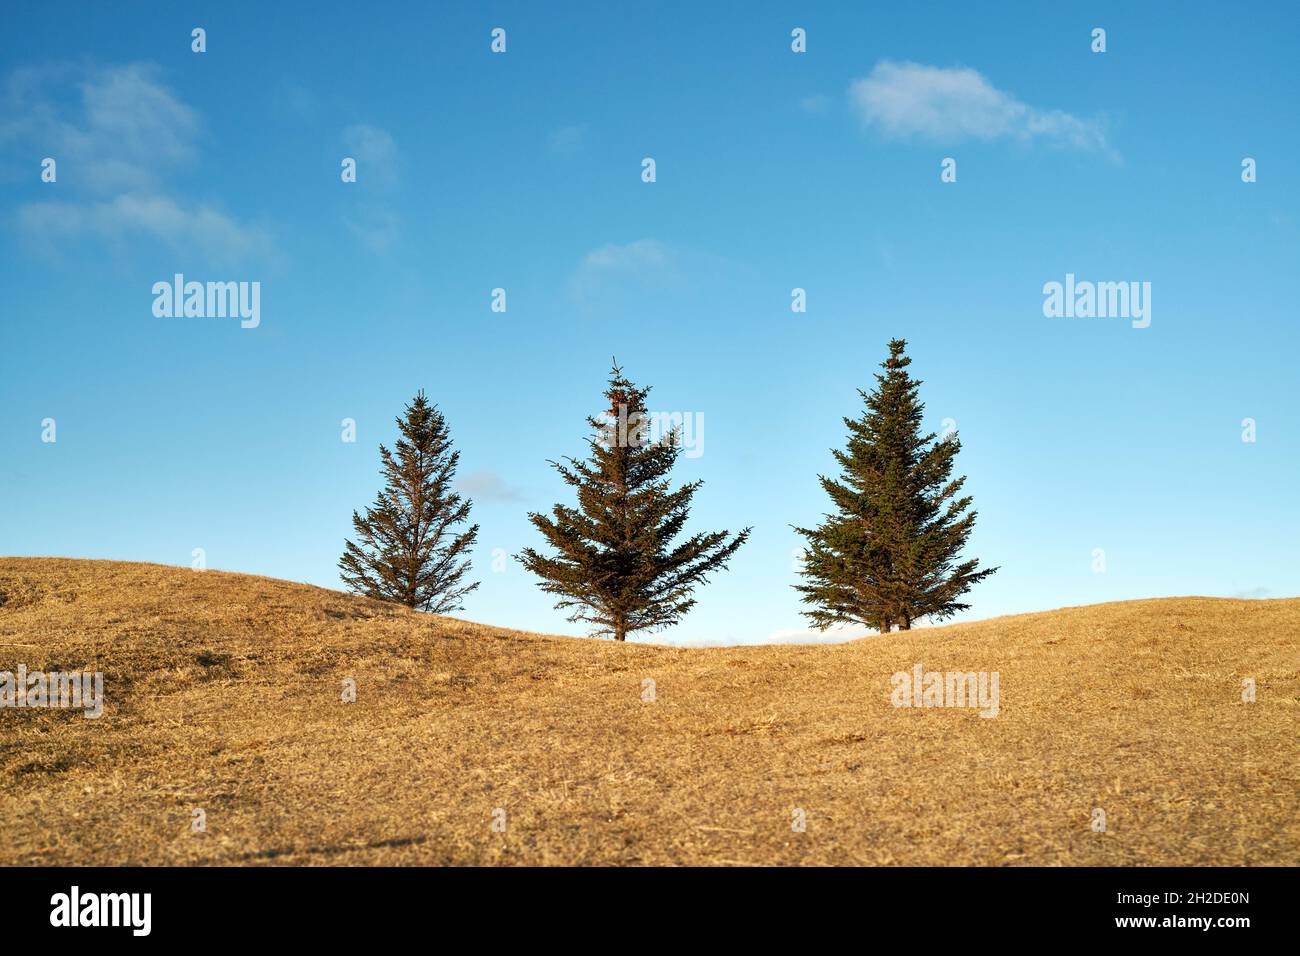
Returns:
<point x="615" y="562"/>
<point x="890" y="553"/>
<point x="408" y="548"/>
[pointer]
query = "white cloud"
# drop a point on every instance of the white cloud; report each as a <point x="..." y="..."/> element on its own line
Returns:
<point x="183" y="227"/>
<point x="131" y="116"/>
<point x="487" y="485"/>
<point x="373" y="218"/>
<point x="296" y="100"/>
<point x="648" y="273"/>
<point x="376" y="225"/>
<point x="116" y="133"/>
<point x="630" y="256"/>
<point x="639" y="261"/>
<point x="567" y="140"/>
<point x="906" y="100"/>
<point x="124" y="132"/>
<point x="375" y="152"/>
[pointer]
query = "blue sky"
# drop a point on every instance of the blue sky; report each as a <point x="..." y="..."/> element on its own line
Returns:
<point x="774" y="170"/>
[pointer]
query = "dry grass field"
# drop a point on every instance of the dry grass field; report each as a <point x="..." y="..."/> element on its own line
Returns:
<point x="223" y="693"/>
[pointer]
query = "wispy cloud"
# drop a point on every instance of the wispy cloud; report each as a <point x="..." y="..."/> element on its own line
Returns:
<point x="650" y="273"/>
<point x="630" y="256"/>
<point x="295" y="100"/>
<point x="375" y="224"/>
<point x="949" y="105"/>
<point x="487" y="485"/>
<point x="817" y="103"/>
<point x="125" y="131"/>
<point x="567" y="140"/>
<point x="373" y="218"/>
<point x="116" y="133"/>
<point x="639" y="261"/>
<point x="375" y="152"/>
<point x="118" y="220"/>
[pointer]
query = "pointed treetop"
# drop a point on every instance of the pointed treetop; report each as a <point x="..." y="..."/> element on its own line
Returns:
<point x="896" y="357"/>
<point x="623" y="393"/>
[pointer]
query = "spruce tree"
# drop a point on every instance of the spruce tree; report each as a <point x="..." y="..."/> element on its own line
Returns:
<point x="614" y="559"/>
<point x="890" y="553"/>
<point x="408" y="547"/>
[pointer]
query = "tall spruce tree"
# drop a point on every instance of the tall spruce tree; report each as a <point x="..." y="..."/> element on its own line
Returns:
<point x="615" y="562"/>
<point x="408" y="549"/>
<point x="891" y="552"/>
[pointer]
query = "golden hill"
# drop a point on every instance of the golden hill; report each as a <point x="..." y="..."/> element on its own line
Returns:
<point x="223" y="693"/>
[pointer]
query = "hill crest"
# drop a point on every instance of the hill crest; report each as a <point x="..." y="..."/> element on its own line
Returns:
<point x="224" y="693"/>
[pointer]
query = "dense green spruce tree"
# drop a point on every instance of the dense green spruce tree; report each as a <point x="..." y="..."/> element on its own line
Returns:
<point x="408" y="548"/>
<point x="614" y="559"/>
<point x="890" y="553"/>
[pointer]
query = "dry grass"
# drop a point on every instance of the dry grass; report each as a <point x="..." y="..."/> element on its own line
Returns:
<point x="224" y="693"/>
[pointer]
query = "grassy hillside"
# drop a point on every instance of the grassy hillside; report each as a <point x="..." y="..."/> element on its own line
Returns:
<point x="223" y="693"/>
